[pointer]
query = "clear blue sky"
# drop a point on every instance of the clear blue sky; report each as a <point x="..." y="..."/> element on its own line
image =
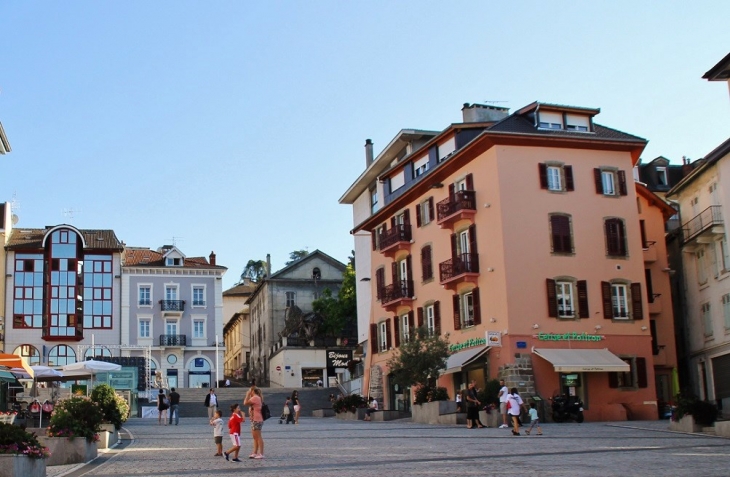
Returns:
<point x="236" y="126"/>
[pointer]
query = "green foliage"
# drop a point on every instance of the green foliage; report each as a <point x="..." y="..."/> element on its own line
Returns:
<point x="336" y="312"/>
<point x="419" y="361"/>
<point x="430" y="393"/>
<point x="77" y="416"/>
<point x="490" y="393"/>
<point x="15" y="440"/>
<point x="704" y="412"/>
<point x="349" y="403"/>
<point x="296" y="255"/>
<point x="255" y="270"/>
<point x="113" y="406"/>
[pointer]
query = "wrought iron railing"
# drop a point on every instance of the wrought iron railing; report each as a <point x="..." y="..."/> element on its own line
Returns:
<point x="461" y="200"/>
<point x="399" y="233"/>
<point x="709" y="217"/>
<point x="458" y="265"/>
<point x="398" y="290"/>
<point x="172" y="305"/>
<point x="173" y="340"/>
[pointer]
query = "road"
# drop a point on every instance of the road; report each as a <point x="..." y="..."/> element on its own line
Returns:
<point x="334" y="448"/>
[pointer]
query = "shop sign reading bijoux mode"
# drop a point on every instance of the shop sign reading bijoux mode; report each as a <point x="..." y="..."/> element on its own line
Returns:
<point x="338" y="358"/>
<point x="568" y="337"/>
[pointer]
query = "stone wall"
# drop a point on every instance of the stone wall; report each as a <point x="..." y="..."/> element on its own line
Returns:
<point x="519" y="375"/>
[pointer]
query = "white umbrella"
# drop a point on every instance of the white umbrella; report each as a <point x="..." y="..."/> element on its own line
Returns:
<point x="40" y="372"/>
<point x="91" y="367"/>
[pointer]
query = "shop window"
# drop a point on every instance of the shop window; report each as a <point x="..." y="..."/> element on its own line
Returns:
<point x="635" y="377"/>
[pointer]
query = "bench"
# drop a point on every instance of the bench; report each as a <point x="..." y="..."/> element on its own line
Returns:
<point x="388" y="415"/>
<point x="324" y="412"/>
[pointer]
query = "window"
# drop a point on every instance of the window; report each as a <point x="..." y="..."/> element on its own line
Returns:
<point x="661" y="176"/>
<point x="726" y="310"/>
<point x="145" y="295"/>
<point x="97" y="291"/>
<point x="635" y="377"/>
<point x="198" y="296"/>
<point x="373" y="200"/>
<point x="564" y="293"/>
<point x="706" y="319"/>
<point x="610" y="181"/>
<point x="171" y="292"/>
<point x="466" y="310"/>
<point x="144" y="328"/>
<point x="28" y="298"/>
<point x="420" y="166"/>
<point x="424" y="212"/>
<point x="567" y="298"/>
<point x="198" y="328"/>
<point x="97" y="352"/>
<point x="61" y="355"/>
<point x="723" y="258"/>
<point x="577" y="122"/>
<point x="397" y="181"/>
<point x="560" y="233"/>
<point x="30" y="353"/>
<point x="556" y="177"/>
<point x="65" y="302"/>
<point x="426" y="263"/>
<point x="173" y="262"/>
<point x="550" y="120"/>
<point x="430" y="320"/>
<point x="383" y="336"/>
<point x="622" y="301"/>
<point x="701" y="261"/>
<point x="406" y="325"/>
<point x="615" y="238"/>
<point x="291" y="299"/>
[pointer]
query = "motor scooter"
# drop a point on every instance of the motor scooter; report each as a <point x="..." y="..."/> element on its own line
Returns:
<point x="567" y="408"/>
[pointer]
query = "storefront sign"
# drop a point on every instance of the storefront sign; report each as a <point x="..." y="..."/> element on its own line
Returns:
<point x="568" y="337"/>
<point x="338" y="358"/>
<point x="467" y="344"/>
<point x="494" y="338"/>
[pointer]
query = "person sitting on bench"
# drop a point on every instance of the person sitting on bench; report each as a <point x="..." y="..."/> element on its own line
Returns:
<point x="373" y="407"/>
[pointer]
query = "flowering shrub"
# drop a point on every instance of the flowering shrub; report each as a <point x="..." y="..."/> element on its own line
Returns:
<point x="113" y="406"/>
<point x="15" y="440"/>
<point x="349" y="403"/>
<point x="77" y="416"/>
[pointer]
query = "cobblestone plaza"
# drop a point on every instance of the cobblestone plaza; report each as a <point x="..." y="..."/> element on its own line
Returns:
<point x="331" y="447"/>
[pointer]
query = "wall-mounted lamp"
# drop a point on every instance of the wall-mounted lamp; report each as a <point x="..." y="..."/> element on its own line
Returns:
<point x="490" y="269"/>
<point x="366" y="279"/>
<point x="487" y="205"/>
<point x="644" y="328"/>
<point x="492" y="320"/>
<point x="9" y="275"/>
<point x="437" y="185"/>
<point x="598" y="327"/>
<point x="535" y="326"/>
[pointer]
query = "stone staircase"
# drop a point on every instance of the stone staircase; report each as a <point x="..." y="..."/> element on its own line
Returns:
<point x="192" y="399"/>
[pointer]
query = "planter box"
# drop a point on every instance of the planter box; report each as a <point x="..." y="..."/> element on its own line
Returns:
<point x="686" y="424"/>
<point x="722" y="428"/>
<point x="437" y="412"/>
<point x="492" y="419"/>
<point x="325" y="412"/>
<point x="358" y="415"/>
<point x="21" y="466"/>
<point x="388" y="415"/>
<point x="66" y="451"/>
<point x="108" y="437"/>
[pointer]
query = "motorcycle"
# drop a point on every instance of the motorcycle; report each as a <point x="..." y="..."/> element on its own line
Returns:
<point x="567" y="408"/>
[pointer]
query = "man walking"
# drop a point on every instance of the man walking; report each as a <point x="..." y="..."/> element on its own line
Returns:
<point x="211" y="402"/>
<point x="503" y="396"/>
<point x="174" y="406"/>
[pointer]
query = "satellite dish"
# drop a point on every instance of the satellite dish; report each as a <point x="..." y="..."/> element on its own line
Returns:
<point x="15" y="219"/>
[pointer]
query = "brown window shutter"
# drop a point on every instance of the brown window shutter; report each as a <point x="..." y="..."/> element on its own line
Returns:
<point x="637" y="310"/>
<point x="394" y="272"/>
<point x="374" y="338"/>
<point x="552" y="298"/>
<point x="374" y="236"/>
<point x="388" y="342"/>
<point x="607" y="304"/>
<point x="379" y="282"/>
<point x="418" y="215"/>
<point x="599" y="182"/>
<point x="410" y="272"/>
<point x="392" y="222"/>
<point x="437" y="317"/>
<point x="615" y="237"/>
<point x="453" y="245"/>
<point x="411" y="323"/>
<point x="641" y="376"/>
<point x="451" y="191"/>
<point x="469" y="182"/>
<point x="457" y="313"/>
<point x="622" y="183"/>
<point x="568" y="170"/>
<point x="560" y="229"/>
<point x="396" y="322"/>
<point x="613" y="380"/>
<point x="473" y="238"/>
<point x="407" y="216"/>
<point x="542" y="168"/>
<point x="582" y="286"/>
<point x="431" y="215"/>
<point x="621" y="238"/>
<point x="420" y="316"/>
<point x="477" y="306"/>
<point x="426" y="266"/>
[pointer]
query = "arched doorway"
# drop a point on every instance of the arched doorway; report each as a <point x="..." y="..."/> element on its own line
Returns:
<point x="199" y="373"/>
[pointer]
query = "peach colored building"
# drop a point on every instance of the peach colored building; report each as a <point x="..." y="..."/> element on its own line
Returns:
<point x="519" y="237"/>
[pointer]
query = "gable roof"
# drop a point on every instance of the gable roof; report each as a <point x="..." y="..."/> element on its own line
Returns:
<point x="655" y="200"/>
<point x="32" y="239"/>
<point x="145" y="257"/>
<point x="317" y="253"/>
<point x="719" y="72"/>
<point x="242" y="289"/>
<point x="715" y="155"/>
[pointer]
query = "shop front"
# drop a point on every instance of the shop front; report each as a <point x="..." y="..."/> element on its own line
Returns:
<point x="467" y="362"/>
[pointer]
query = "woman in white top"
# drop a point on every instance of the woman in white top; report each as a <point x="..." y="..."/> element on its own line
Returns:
<point x="514" y="407"/>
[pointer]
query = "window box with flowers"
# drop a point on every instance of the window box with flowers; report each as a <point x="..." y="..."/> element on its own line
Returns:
<point x="74" y="431"/>
<point x="21" y="453"/>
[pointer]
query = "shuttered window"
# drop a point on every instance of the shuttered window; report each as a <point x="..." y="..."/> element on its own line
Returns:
<point x="610" y="182"/>
<point x="635" y="377"/>
<point x="556" y="177"/>
<point x="379" y="282"/>
<point x="426" y="263"/>
<point x="567" y="298"/>
<point x="622" y="301"/>
<point x="615" y="237"/>
<point x="437" y="318"/>
<point x="562" y="239"/>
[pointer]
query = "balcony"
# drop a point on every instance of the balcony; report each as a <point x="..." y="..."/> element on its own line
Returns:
<point x="459" y="269"/>
<point x="397" y="294"/>
<point x="461" y="205"/>
<point x="173" y="340"/>
<point x="395" y="239"/>
<point x="703" y="226"/>
<point x="172" y="307"/>
<point x="650" y="254"/>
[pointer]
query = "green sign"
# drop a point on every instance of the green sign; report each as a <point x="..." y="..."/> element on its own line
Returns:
<point x="568" y="337"/>
<point x="467" y="344"/>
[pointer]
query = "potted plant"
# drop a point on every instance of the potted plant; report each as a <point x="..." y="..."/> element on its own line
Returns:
<point x="74" y="431"/>
<point x="350" y="407"/>
<point x="21" y="454"/>
<point x="115" y="411"/>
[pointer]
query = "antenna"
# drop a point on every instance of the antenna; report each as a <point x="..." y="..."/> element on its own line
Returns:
<point x="70" y="213"/>
<point x="175" y="240"/>
<point x="14" y="202"/>
<point x="493" y="101"/>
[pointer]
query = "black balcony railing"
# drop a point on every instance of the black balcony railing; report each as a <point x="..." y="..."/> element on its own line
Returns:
<point x="461" y="200"/>
<point x="173" y="340"/>
<point x="398" y="290"/>
<point x="172" y="305"/>
<point x="709" y="217"/>
<point x="399" y="233"/>
<point x="455" y="266"/>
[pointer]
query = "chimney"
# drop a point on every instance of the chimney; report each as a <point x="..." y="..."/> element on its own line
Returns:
<point x="686" y="166"/>
<point x="268" y="265"/>
<point x="368" y="152"/>
<point x="211" y="258"/>
<point x="483" y="113"/>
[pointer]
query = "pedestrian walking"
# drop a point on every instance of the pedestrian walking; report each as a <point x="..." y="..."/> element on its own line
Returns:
<point x="234" y="430"/>
<point x="297" y="406"/>
<point x="472" y="407"/>
<point x="217" y="423"/>
<point x="254" y="399"/>
<point x="162" y="405"/>
<point x="503" y="392"/>
<point x="514" y="407"/>
<point x="211" y="402"/>
<point x="174" y="406"/>
<point x="534" y="420"/>
<point x="458" y="400"/>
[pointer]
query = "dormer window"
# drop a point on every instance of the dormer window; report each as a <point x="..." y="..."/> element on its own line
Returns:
<point x="577" y="122"/>
<point x="661" y="176"/>
<point x="173" y="262"/>
<point x="420" y="166"/>
<point x="550" y="120"/>
<point x="564" y="121"/>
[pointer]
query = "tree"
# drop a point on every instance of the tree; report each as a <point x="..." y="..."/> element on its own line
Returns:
<point x="337" y="311"/>
<point x="254" y="270"/>
<point x="296" y="255"/>
<point x="419" y="360"/>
